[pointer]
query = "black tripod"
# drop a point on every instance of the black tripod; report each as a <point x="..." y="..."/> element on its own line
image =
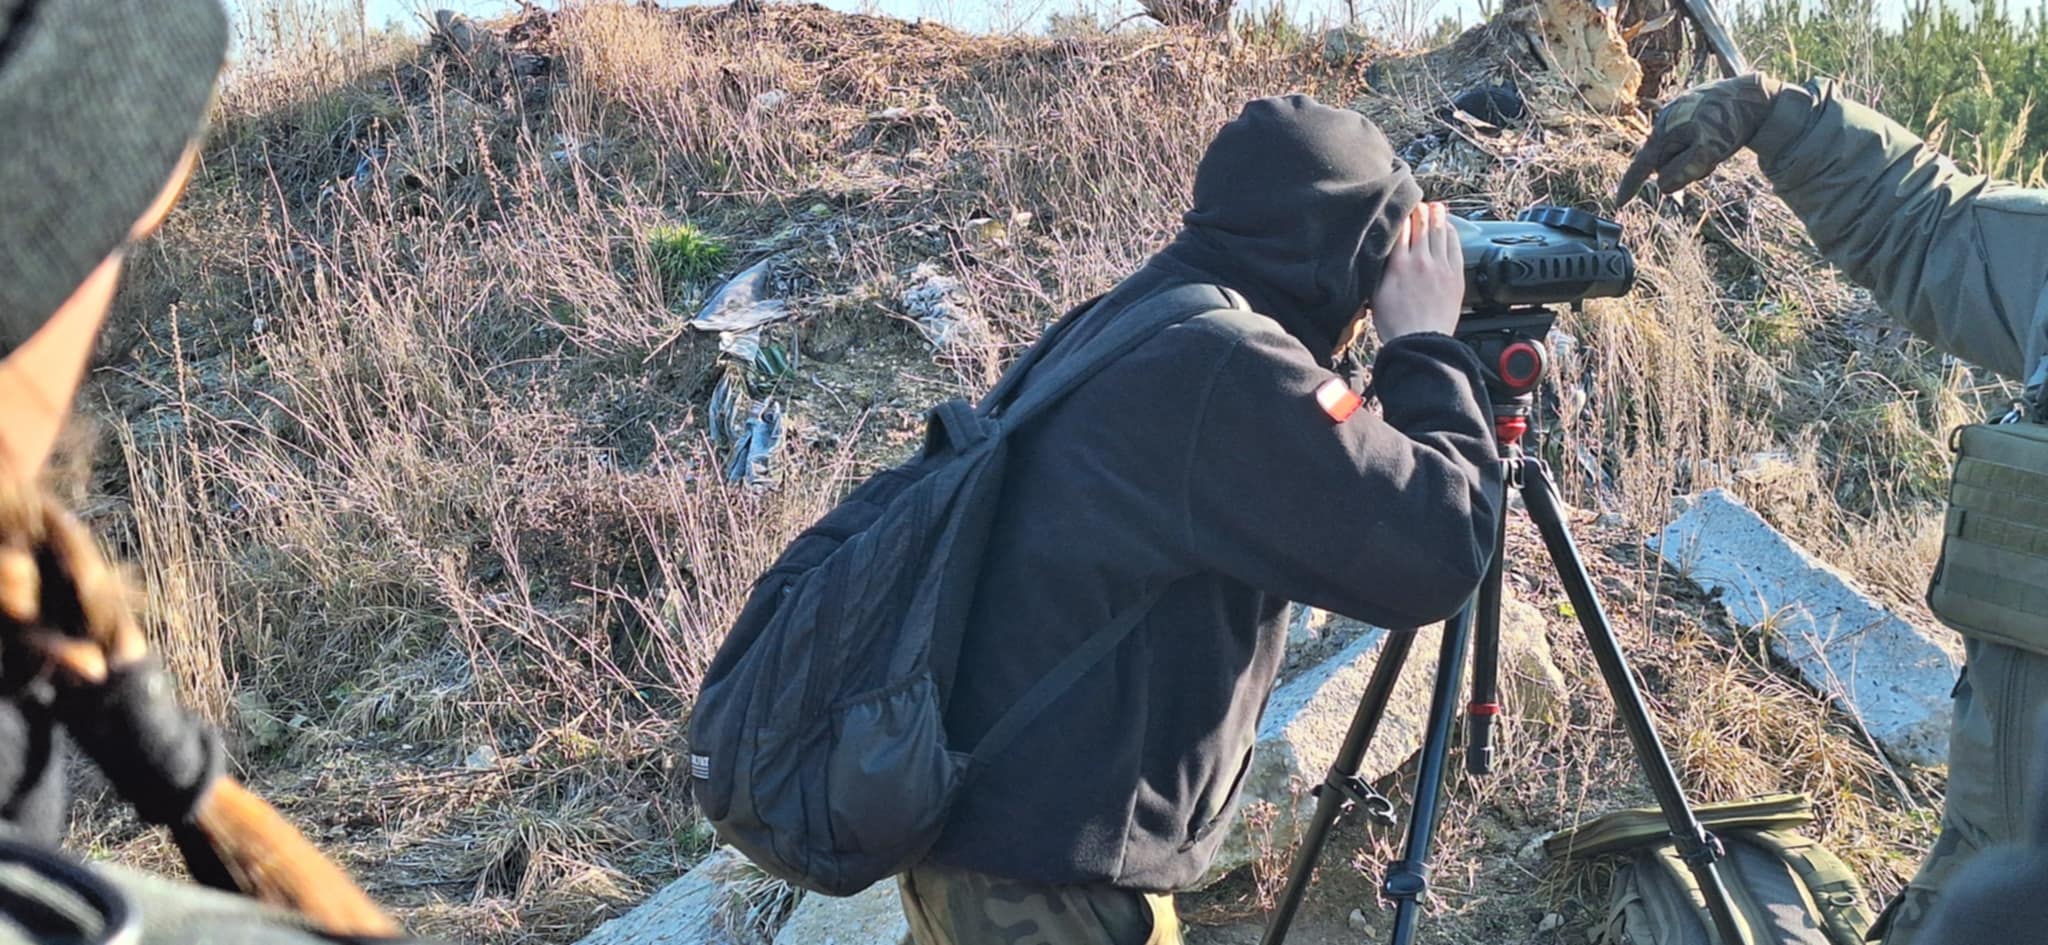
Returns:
<point x="1510" y="344"/>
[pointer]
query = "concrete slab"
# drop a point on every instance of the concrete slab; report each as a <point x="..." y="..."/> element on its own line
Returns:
<point x="873" y="916"/>
<point x="685" y="912"/>
<point x="1307" y="716"/>
<point x="1891" y="674"/>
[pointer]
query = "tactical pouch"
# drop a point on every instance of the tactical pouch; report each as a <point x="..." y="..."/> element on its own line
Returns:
<point x="1992" y="580"/>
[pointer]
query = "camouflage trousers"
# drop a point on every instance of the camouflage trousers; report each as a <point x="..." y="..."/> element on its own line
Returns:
<point x="1991" y="739"/>
<point x="955" y="907"/>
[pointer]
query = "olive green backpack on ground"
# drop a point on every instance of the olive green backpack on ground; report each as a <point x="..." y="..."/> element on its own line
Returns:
<point x="1992" y="579"/>
<point x="1786" y="889"/>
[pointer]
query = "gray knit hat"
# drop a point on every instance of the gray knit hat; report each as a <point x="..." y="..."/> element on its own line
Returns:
<point x="98" y="101"/>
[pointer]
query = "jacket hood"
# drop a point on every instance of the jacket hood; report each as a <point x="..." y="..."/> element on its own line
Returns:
<point x="1296" y="205"/>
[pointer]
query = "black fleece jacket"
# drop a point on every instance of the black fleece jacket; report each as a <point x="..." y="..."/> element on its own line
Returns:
<point x="1202" y="463"/>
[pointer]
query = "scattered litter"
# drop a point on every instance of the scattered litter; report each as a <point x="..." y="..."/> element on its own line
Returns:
<point x="729" y="403"/>
<point x="1551" y="922"/>
<point x="741" y="303"/>
<point x="939" y="303"/>
<point x="1358" y="921"/>
<point x="570" y="146"/>
<point x="988" y="232"/>
<point x="1489" y="106"/>
<point x="484" y="758"/>
<point x="930" y="116"/>
<point x="741" y="346"/>
<point x="366" y="168"/>
<point x="753" y="455"/>
<point x="773" y="361"/>
<point x="769" y="101"/>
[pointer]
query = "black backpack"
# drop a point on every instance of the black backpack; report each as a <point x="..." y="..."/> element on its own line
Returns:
<point x="818" y="742"/>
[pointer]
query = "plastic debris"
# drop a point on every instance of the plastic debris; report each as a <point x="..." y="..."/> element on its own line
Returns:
<point x="753" y="455"/>
<point x="366" y="168"/>
<point x="742" y="303"/>
<point x="939" y="303"/>
<point x="741" y="346"/>
<point x="729" y="403"/>
<point x="773" y="361"/>
<point x="924" y="115"/>
<point x="1491" y="106"/>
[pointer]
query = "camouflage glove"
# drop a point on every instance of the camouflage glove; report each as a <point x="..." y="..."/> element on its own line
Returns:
<point x="1699" y="130"/>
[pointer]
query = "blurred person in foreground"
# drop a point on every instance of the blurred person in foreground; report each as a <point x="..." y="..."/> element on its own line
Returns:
<point x="101" y="103"/>
<point x="1960" y="260"/>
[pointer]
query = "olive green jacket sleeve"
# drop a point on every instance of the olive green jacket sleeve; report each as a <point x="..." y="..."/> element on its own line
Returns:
<point x="1960" y="259"/>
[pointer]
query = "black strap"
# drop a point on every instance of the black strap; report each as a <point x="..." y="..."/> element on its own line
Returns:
<point x="1129" y="329"/>
<point x="1006" y="385"/>
<point x="1054" y="684"/>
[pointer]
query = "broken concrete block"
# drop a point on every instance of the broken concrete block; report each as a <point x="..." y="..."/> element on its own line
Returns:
<point x="1305" y="722"/>
<point x="1308" y="715"/>
<point x="873" y="916"/>
<point x="1531" y="685"/>
<point x="685" y="912"/>
<point x="1892" y="675"/>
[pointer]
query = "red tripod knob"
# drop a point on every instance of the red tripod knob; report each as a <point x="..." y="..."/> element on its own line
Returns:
<point x="1521" y="366"/>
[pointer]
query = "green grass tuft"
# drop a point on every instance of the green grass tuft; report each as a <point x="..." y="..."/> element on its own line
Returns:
<point x="684" y="254"/>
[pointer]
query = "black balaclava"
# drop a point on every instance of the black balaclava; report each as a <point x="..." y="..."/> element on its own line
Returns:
<point x="1296" y="206"/>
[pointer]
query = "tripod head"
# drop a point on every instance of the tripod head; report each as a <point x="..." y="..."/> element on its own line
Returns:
<point x="1513" y="350"/>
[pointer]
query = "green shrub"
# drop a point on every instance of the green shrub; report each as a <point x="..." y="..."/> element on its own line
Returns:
<point x="1962" y="75"/>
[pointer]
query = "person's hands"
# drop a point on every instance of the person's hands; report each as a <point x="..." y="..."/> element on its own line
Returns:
<point x="1699" y="130"/>
<point x="1424" y="284"/>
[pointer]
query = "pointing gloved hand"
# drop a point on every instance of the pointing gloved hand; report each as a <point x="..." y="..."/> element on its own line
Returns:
<point x="1697" y="131"/>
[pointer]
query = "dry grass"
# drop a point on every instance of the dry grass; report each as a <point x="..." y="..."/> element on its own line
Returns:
<point x="411" y="436"/>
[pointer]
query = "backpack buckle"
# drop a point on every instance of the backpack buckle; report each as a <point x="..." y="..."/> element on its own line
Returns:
<point x="1704" y="850"/>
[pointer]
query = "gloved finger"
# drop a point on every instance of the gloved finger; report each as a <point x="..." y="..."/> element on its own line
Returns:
<point x="1653" y="153"/>
<point x="1687" y="166"/>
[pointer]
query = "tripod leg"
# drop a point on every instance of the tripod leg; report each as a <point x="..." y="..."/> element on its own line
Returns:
<point x="1408" y="878"/>
<point x="1485" y="707"/>
<point x="1343" y="785"/>
<point x="1695" y="846"/>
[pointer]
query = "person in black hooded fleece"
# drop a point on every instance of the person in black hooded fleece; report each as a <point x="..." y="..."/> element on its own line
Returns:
<point x="1203" y="462"/>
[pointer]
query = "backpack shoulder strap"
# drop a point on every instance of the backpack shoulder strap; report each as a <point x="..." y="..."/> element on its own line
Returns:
<point x="1129" y="329"/>
<point x="1836" y="893"/>
<point x="1006" y="386"/>
<point x="1063" y="676"/>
